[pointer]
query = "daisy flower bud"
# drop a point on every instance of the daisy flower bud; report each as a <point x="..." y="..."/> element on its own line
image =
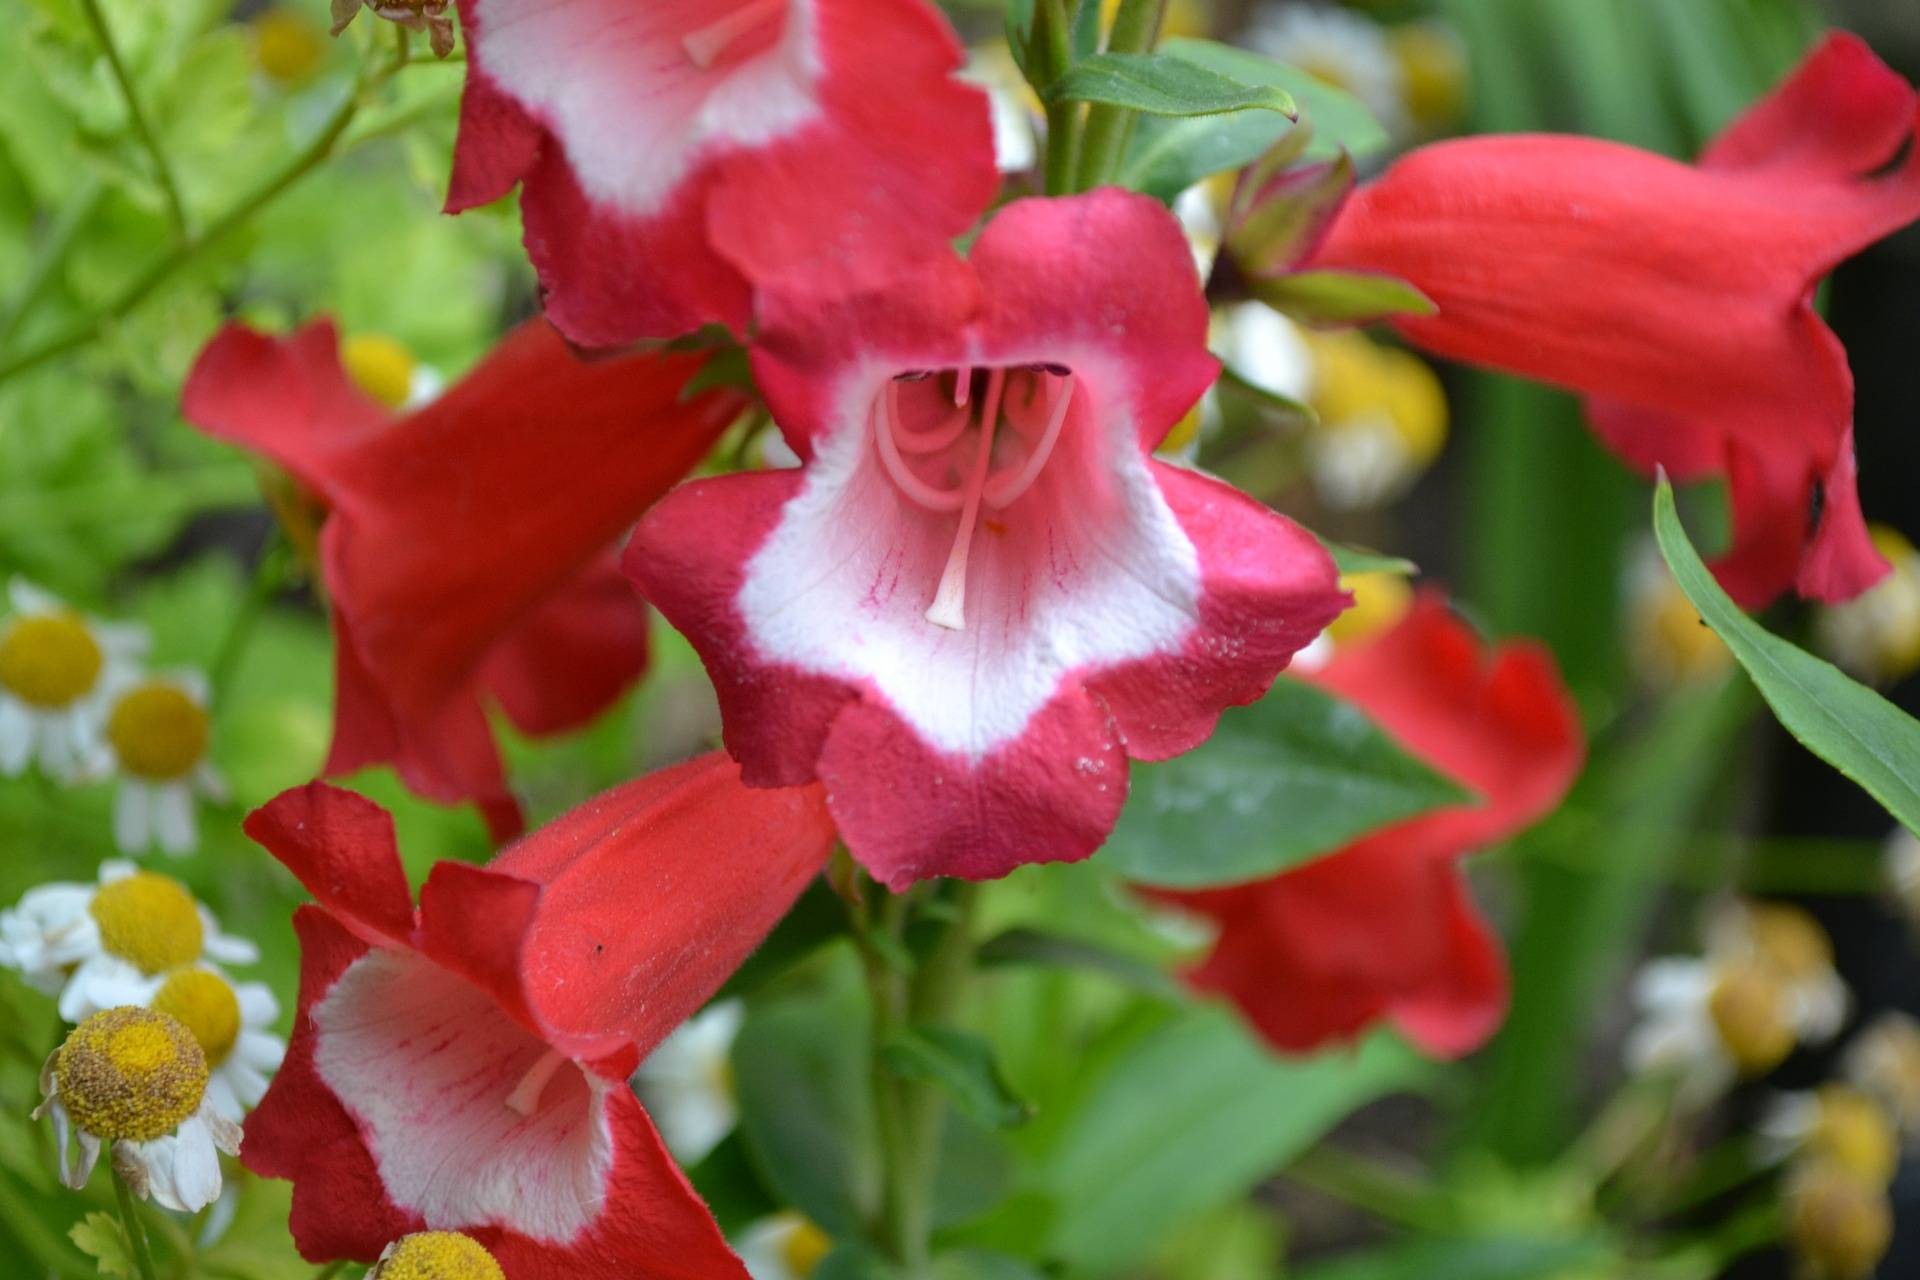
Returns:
<point x="436" y="1255"/>
<point x="137" y="1079"/>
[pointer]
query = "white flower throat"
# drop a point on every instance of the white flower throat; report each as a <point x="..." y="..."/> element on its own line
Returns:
<point x="959" y="451"/>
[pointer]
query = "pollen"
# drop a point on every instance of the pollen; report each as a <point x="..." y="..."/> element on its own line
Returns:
<point x="380" y="366"/>
<point x="130" y="1073"/>
<point x="148" y="920"/>
<point x="436" y="1255"/>
<point x="203" y="1002"/>
<point x="158" y="731"/>
<point x="48" y="659"/>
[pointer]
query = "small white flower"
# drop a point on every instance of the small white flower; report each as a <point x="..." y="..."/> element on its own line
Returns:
<point x="157" y="736"/>
<point x="1884" y="1062"/>
<point x="1903" y="871"/>
<point x="1675" y="1032"/>
<point x="785" y="1246"/>
<point x="99" y="946"/>
<point x="1342" y="49"/>
<point x="137" y="1080"/>
<point x="1010" y="102"/>
<point x="686" y="1084"/>
<point x="232" y="1023"/>
<point x="55" y="665"/>
<point x="1201" y="223"/>
<point x="1876" y="635"/>
<point x="1265" y="348"/>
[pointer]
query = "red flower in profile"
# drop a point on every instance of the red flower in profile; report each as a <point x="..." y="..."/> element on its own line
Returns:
<point x="674" y="155"/>
<point x="1678" y="297"/>
<point x="979" y="596"/>
<point x="464" y="1067"/>
<point x="467" y="546"/>
<point x="1385" y="928"/>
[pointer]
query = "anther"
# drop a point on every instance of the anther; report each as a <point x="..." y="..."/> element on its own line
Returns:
<point x="949" y="601"/>
<point x="962" y="383"/>
<point x="525" y="1097"/>
<point x="705" y="46"/>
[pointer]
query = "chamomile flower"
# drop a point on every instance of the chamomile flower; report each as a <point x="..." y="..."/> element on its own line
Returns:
<point x="55" y="665"/>
<point x="288" y="45"/>
<point x="1838" y="1124"/>
<point x="137" y="1080"/>
<point x="786" y="1246"/>
<point x="97" y="946"/>
<point x="436" y="1255"/>
<point x="386" y="369"/>
<point x="1765" y="985"/>
<point x="231" y="1022"/>
<point x="1903" y="872"/>
<point x="1383" y="420"/>
<point x="1339" y="48"/>
<point x="1883" y="1061"/>
<point x="1839" y="1224"/>
<point x="157" y="738"/>
<point x="686" y="1084"/>
<point x="1667" y="642"/>
<point x="1876" y="635"/>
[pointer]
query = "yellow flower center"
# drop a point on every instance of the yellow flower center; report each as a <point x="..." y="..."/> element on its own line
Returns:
<point x="204" y="1003"/>
<point x="1379" y="601"/>
<point x="805" y="1247"/>
<point x="48" y="659"/>
<point x="158" y="731"/>
<point x="148" y="920"/>
<point x="287" y="44"/>
<point x="437" y="1255"/>
<point x="382" y="367"/>
<point x="1854" y="1133"/>
<point x="1840" y="1225"/>
<point x="1790" y="940"/>
<point x="1433" y="65"/>
<point x="130" y="1073"/>
<point x="1748" y="1006"/>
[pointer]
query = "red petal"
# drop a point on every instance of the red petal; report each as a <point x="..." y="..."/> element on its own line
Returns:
<point x="340" y="845"/>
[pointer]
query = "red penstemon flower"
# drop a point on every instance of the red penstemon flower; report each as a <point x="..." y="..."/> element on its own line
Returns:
<point x="464" y="1066"/>
<point x="1678" y="297"/>
<point x="467" y="545"/>
<point x="980" y="596"/>
<point x="1385" y="928"/>
<point x="673" y="155"/>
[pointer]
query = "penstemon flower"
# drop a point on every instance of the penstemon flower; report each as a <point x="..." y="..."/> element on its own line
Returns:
<point x="1595" y="266"/>
<point x="137" y="1080"/>
<point x="466" y="546"/>
<point x="156" y="740"/>
<point x="55" y="666"/>
<point x="1386" y="928"/>
<point x="463" y="1067"/>
<point x="673" y="155"/>
<point x="980" y="596"/>
<point x="97" y="946"/>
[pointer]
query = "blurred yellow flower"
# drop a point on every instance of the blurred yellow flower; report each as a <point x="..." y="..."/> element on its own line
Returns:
<point x="287" y="44"/>
<point x="381" y="366"/>
<point x="1433" y="72"/>
<point x="1379" y="601"/>
<point x="1876" y="635"/>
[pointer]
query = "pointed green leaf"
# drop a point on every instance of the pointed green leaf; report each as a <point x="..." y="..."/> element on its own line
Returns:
<point x="1341" y="297"/>
<point x="962" y="1064"/>
<point x="1294" y="776"/>
<point x="1359" y="560"/>
<point x="1840" y="720"/>
<point x="1163" y="85"/>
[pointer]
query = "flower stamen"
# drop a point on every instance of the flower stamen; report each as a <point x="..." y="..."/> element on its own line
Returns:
<point x="886" y="429"/>
<point x="911" y="441"/>
<point x="949" y="600"/>
<point x="1002" y="491"/>
<point x="525" y="1097"/>
<point x="705" y="45"/>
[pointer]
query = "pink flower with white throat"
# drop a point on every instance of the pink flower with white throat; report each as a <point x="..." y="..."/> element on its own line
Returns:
<point x="979" y="596"/>
<point x="674" y="155"/>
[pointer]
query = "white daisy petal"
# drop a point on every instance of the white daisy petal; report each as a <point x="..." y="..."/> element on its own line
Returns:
<point x="133" y="816"/>
<point x="174" y="824"/>
<point x="16" y="736"/>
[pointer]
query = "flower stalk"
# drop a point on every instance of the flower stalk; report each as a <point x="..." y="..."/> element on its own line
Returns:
<point x="143" y="129"/>
<point x="136" y="1232"/>
<point x="1136" y="29"/>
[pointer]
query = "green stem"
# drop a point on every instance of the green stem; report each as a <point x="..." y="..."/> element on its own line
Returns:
<point x="309" y="158"/>
<point x="1136" y="29"/>
<point x="269" y="576"/>
<point x="136" y="1233"/>
<point x="1387" y="1194"/>
<point x="162" y="170"/>
<point x="331" y="1270"/>
<point x="1053" y="52"/>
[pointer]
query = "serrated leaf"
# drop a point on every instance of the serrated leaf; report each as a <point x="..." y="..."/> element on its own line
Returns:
<point x="1163" y="85"/>
<point x="1341" y="297"/>
<point x="1840" y="720"/>
<point x="101" y="1237"/>
<point x="1168" y="154"/>
<point x="1294" y="776"/>
<point x="962" y="1064"/>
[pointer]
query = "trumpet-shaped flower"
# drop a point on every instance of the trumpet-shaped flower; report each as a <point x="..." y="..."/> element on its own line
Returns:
<point x="137" y="1080"/>
<point x="95" y="946"/>
<point x="1385" y="928"/>
<point x="467" y="545"/>
<point x="463" y="1067"/>
<point x="1679" y="298"/>
<point x="980" y="596"/>
<point x="673" y="156"/>
<point x="55" y="667"/>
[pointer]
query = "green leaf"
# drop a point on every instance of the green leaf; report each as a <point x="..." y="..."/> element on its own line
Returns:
<point x="1349" y="559"/>
<point x="1168" y="154"/>
<point x="1034" y="947"/>
<point x="962" y="1065"/>
<point x="101" y="1237"/>
<point x="1163" y="85"/>
<point x="1843" y="722"/>
<point x="1296" y="775"/>
<point x="1193" y="1115"/>
<point x="1517" y="1259"/>
<point x="1341" y="297"/>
